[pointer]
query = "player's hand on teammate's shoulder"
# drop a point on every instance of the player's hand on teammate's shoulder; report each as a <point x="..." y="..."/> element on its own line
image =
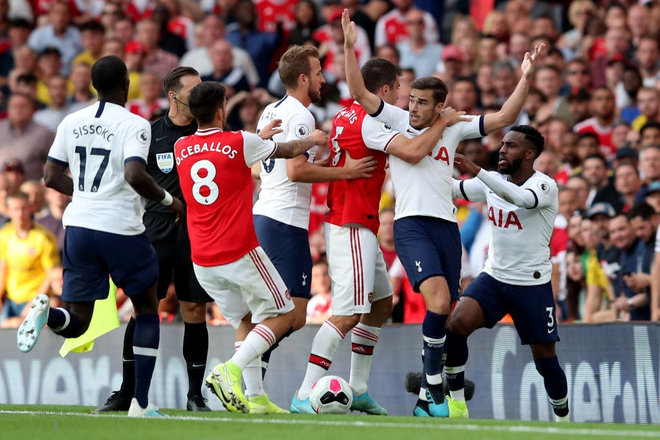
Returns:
<point x="319" y="137"/>
<point x="271" y="129"/>
<point x="466" y="165"/>
<point x="529" y="62"/>
<point x="178" y="208"/>
<point x="350" y="34"/>
<point x="451" y="116"/>
<point x="359" y="168"/>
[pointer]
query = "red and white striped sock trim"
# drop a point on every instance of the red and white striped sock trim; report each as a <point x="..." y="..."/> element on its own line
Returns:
<point x="357" y="331"/>
<point x="237" y="345"/>
<point x="335" y="328"/>
<point x="265" y="333"/>
<point x="265" y="275"/>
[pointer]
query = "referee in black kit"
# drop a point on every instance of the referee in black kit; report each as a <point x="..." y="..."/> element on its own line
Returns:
<point x="171" y="242"/>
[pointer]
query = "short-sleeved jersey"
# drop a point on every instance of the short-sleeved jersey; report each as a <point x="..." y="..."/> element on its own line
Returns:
<point x="424" y="188"/>
<point x="27" y="259"/>
<point x="95" y="143"/>
<point x="519" y="249"/>
<point x="280" y="198"/>
<point x="356" y="201"/>
<point x="216" y="182"/>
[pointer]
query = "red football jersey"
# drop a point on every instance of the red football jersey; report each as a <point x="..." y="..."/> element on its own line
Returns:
<point x="214" y="173"/>
<point x="269" y="12"/>
<point x="356" y="201"/>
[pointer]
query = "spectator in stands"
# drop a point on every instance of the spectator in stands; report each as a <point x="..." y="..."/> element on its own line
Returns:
<point x="224" y="71"/>
<point x="17" y="33"/>
<point x="547" y="164"/>
<point x="627" y="183"/>
<point x="600" y="215"/>
<point x="649" y="163"/>
<point x="48" y="66"/>
<point x="587" y="145"/>
<point x="604" y="112"/>
<point x="644" y="221"/>
<point x="156" y="59"/>
<point x="34" y="190"/>
<point x="581" y="187"/>
<point x="548" y="80"/>
<point x="487" y="49"/>
<point x="28" y="256"/>
<point x="168" y="41"/>
<point x="463" y="95"/>
<point x="92" y="38"/>
<point x="626" y="93"/>
<point x="391" y="27"/>
<point x="151" y="88"/>
<point x="260" y="45"/>
<point x="81" y="80"/>
<point x="58" y="108"/>
<point x="15" y="175"/>
<point x="578" y="76"/>
<point x="650" y="134"/>
<point x="124" y="30"/>
<point x="616" y="46"/>
<point x="416" y="52"/>
<point x="579" y="13"/>
<point x="647" y="56"/>
<point x="200" y="58"/>
<point x="648" y="101"/>
<point x="599" y="292"/>
<point x="319" y="308"/>
<point x="57" y="203"/>
<point x="639" y="24"/>
<point x="595" y="170"/>
<point x="504" y="80"/>
<point x="557" y="127"/>
<point x="109" y="16"/>
<point x="58" y="33"/>
<point x="568" y="153"/>
<point x="307" y="21"/>
<point x="620" y="132"/>
<point x="24" y="139"/>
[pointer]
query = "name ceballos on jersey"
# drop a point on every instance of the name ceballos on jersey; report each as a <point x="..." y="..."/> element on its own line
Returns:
<point x="98" y="130"/>
<point x="204" y="148"/>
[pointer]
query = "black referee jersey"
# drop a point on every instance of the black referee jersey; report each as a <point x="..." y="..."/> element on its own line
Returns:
<point x="160" y="164"/>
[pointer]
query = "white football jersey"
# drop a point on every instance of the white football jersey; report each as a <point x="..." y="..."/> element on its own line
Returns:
<point x="94" y="143"/>
<point x="280" y="198"/>
<point x="521" y="220"/>
<point x="424" y="188"/>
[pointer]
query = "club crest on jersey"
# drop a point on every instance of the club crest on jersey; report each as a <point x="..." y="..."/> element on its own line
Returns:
<point x="302" y="131"/>
<point x="165" y="162"/>
<point x="143" y="137"/>
<point x="387" y="128"/>
<point x="544" y="186"/>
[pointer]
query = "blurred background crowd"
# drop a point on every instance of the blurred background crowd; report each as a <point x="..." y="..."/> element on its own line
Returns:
<point x="595" y="98"/>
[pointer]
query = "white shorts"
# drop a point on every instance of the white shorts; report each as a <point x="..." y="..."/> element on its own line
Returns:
<point x="249" y="284"/>
<point x="357" y="268"/>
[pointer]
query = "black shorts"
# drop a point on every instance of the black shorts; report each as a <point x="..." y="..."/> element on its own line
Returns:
<point x="172" y="246"/>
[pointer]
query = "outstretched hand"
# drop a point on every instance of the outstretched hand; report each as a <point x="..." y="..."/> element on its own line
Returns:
<point x="350" y="34"/>
<point x="451" y="116"/>
<point x="271" y="129"/>
<point x="466" y="165"/>
<point x="529" y="63"/>
<point x="319" y="137"/>
<point x="359" y="168"/>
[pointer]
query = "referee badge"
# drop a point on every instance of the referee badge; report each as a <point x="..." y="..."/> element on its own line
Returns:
<point x="165" y="162"/>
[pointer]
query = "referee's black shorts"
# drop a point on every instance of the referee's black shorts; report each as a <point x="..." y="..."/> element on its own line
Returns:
<point x="172" y="246"/>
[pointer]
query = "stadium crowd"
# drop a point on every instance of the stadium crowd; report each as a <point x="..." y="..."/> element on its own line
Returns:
<point x="596" y="100"/>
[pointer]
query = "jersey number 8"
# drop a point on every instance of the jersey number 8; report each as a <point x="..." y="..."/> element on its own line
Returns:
<point x="204" y="190"/>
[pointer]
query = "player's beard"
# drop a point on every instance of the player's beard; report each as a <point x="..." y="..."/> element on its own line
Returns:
<point x="314" y="95"/>
<point x="510" y="167"/>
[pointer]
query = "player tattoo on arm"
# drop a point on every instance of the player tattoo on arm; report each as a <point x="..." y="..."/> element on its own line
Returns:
<point x="288" y="150"/>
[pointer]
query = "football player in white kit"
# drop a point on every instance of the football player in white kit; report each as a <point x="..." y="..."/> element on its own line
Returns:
<point x="105" y="147"/>
<point x="281" y="215"/>
<point x="425" y="229"/>
<point x="522" y="207"/>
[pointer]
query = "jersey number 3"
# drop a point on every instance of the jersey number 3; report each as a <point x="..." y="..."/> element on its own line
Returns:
<point x="204" y="190"/>
<point x="82" y="151"/>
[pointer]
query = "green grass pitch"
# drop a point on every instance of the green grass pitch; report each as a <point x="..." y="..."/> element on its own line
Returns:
<point x="77" y="422"/>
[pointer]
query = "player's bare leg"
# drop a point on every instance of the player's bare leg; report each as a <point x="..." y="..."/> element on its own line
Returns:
<point x="554" y="378"/>
<point x="437" y="298"/>
<point x="195" y="350"/>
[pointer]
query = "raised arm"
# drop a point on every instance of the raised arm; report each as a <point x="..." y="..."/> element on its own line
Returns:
<point x="356" y="86"/>
<point x="513" y="106"/>
<point x="290" y="149"/>
<point x="300" y="170"/>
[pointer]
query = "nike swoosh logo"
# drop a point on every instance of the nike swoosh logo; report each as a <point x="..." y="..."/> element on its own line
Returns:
<point x="160" y="139"/>
<point x="229" y="381"/>
<point x="410" y="131"/>
<point x="198" y="365"/>
<point x="550" y="330"/>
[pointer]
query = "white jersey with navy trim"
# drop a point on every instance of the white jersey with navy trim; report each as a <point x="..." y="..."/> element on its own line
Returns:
<point x="521" y="220"/>
<point x="424" y="188"/>
<point x="280" y="198"/>
<point x="95" y="143"/>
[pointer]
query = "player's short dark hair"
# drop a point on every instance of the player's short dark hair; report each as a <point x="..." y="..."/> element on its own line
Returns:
<point x="109" y="74"/>
<point x="378" y="72"/>
<point x="598" y="156"/>
<point x="205" y="99"/>
<point x="643" y="210"/>
<point x="532" y="135"/>
<point x="295" y="62"/>
<point x="172" y="81"/>
<point x="648" y="125"/>
<point x="588" y="135"/>
<point x="92" y="26"/>
<point x="437" y="85"/>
